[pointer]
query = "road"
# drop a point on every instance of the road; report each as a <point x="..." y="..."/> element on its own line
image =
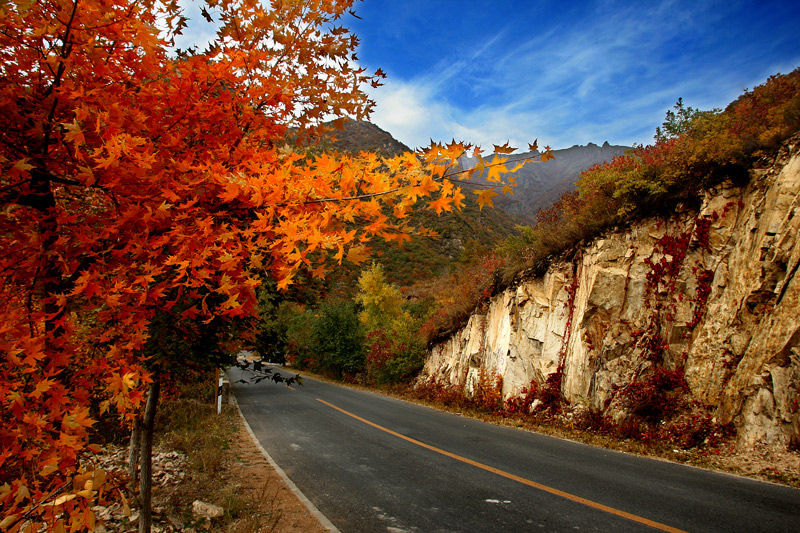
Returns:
<point x="372" y="463"/>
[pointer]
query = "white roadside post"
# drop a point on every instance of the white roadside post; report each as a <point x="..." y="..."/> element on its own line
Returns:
<point x="218" y="393"/>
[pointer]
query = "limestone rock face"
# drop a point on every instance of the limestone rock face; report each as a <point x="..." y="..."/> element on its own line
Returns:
<point x="712" y="291"/>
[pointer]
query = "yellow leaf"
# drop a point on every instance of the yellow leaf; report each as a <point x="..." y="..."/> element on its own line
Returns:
<point x="129" y="379"/>
<point x="126" y="509"/>
<point x="496" y="168"/>
<point x="485" y="197"/>
<point x="478" y="169"/>
<point x="23" y="166"/>
<point x="99" y="478"/>
<point x="7" y="521"/>
<point x="284" y="283"/>
<point x="518" y="166"/>
<point x="458" y="199"/>
<point x="441" y="204"/>
<point x="89" y="519"/>
<point x="42" y="387"/>
<point x="358" y="254"/>
<point x="61" y="500"/>
<point x="348" y="182"/>
<point x="22" y="494"/>
<point x="319" y="272"/>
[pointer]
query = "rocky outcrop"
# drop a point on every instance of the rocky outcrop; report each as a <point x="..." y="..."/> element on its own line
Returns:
<point x="713" y="292"/>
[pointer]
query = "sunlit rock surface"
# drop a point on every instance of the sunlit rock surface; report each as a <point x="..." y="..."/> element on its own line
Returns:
<point x="730" y="315"/>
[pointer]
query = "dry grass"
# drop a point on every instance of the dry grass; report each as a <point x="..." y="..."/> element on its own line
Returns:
<point x="215" y="456"/>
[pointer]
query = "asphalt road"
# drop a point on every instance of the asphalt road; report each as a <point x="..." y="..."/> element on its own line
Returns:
<point x="371" y="463"/>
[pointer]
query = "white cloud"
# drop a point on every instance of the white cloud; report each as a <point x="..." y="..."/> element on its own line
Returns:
<point x="610" y="76"/>
<point x="415" y="113"/>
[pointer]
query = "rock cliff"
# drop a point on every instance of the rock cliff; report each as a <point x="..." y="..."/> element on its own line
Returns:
<point x="709" y="293"/>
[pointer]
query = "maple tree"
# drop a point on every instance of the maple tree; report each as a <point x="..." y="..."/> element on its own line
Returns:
<point x="145" y="189"/>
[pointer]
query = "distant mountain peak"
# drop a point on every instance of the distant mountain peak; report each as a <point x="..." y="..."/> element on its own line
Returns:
<point x="361" y="135"/>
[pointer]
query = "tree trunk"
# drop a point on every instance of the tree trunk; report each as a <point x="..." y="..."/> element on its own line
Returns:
<point x="133" y="453"/>
<point x="146" y="456"/>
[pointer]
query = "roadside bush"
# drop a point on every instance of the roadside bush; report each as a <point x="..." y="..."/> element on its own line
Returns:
<point x="394" y="349"/>
<point x="487" y="391"/>
<point x="657" y="395"/>
<point x="392" y="359"/>
<point x="521" y="404"/>
<point x="441" y="392"/>
<point x="337" y="339"/>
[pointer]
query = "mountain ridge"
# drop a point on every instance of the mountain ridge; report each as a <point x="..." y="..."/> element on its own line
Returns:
<point x="539" y="185"/>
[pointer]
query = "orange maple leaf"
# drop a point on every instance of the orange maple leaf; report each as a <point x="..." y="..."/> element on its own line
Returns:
<point x="505" y="149"/>
<point x="441" y="204"/>
<point x="485" y="197"/>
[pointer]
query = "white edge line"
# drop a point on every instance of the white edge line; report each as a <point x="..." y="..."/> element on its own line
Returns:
<point x="323" y="520"/>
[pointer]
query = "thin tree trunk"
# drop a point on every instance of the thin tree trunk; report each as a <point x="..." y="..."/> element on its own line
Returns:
<point x="133" y="453"/>
<point x="146" y="456"/>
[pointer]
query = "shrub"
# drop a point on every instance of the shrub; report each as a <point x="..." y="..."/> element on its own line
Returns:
<point x="394" y="349"/>
<point x="441" y="392"/>
<point x="458" y="294"/>
<point x="487" y="391"/>
<point x="392" y="359"/>
<point x="298" y="323"/>
<point x="656" y="395"/>
<point x="337" y="339"/>
<point x="521" y="404"/>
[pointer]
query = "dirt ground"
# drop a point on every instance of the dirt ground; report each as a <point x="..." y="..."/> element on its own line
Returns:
<point x="280" y="511"/>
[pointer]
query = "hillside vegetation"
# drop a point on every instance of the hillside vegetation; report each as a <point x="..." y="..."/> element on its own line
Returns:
<point x="444" y="239"/>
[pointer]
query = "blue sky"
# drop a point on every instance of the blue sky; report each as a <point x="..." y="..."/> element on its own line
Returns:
<point x="567" y="72"/>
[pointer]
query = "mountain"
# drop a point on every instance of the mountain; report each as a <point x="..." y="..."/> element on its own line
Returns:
<point x="460" y="233"/>
<point x="360" y="135"/>
<point x="540" y="184"/>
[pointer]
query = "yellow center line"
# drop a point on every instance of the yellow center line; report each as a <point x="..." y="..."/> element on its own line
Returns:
<point x="545" y="488"/>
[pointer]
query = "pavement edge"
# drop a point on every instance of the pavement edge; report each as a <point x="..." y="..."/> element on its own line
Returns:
<point x="323" y="520"/>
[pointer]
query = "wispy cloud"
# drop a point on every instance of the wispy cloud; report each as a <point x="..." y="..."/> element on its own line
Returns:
<point x="607" y="75"/>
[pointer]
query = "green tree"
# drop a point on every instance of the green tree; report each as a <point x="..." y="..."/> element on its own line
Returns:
<point x="677" y="122"/>
<point x="395" y="349"/>
<point x="337" y="339"/>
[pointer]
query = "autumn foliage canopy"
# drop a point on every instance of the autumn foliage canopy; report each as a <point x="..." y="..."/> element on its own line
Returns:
<point x="140" y="184"/>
